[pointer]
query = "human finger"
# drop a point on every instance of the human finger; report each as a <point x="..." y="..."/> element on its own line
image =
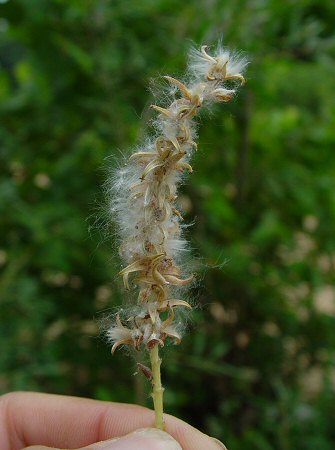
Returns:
<point x="143" y="439"/>
<point x="69" y="422"/>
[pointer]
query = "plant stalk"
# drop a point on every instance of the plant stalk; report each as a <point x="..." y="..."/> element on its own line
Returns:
<point x="157" y="389"/>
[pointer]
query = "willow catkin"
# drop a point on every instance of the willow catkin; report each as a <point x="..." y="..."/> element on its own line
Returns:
<point x="143" y="196"/>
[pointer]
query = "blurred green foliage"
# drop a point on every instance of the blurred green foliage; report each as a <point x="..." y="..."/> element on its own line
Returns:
<point x="256" y="367"/>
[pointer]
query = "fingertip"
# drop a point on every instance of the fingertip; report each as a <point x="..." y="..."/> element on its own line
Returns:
<point x="189" y="437"/>
<point x="220" y="444"/>
<point x="39" y="447"/>
<point x="142" y="439"/>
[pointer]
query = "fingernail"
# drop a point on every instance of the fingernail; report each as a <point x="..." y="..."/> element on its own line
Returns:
<point x="220" y="444"/>
<point x="142" y="439"/>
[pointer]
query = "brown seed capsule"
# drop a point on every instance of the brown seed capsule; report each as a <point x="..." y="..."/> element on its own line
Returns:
<point x="145" y="370"/>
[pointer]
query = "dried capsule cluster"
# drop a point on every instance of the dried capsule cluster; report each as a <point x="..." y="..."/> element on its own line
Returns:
<point x="143" y="201"/>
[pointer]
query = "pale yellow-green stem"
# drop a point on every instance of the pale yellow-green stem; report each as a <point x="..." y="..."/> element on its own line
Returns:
<point x="157" y="389"/>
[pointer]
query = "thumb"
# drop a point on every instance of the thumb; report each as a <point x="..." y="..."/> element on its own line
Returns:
<point x="142" y="439"/>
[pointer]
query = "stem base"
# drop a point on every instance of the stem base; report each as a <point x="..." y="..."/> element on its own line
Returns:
<point x="157" y="389"/>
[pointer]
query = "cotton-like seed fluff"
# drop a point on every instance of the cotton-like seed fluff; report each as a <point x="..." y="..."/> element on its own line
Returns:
<point x="143" y="196"/>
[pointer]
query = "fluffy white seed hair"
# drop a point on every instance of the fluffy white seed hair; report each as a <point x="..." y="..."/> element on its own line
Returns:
<point x="199" y="64"/>
<point x="143" y="194"/>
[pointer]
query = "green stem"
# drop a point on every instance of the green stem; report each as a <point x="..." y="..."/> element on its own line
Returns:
<point x="157" y="389"/>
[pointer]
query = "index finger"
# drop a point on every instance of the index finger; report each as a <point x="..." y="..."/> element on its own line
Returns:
<point x="70" y="422"/>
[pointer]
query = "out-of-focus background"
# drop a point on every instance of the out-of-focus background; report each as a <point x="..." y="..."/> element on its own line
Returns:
<point x="256" y="367"/>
